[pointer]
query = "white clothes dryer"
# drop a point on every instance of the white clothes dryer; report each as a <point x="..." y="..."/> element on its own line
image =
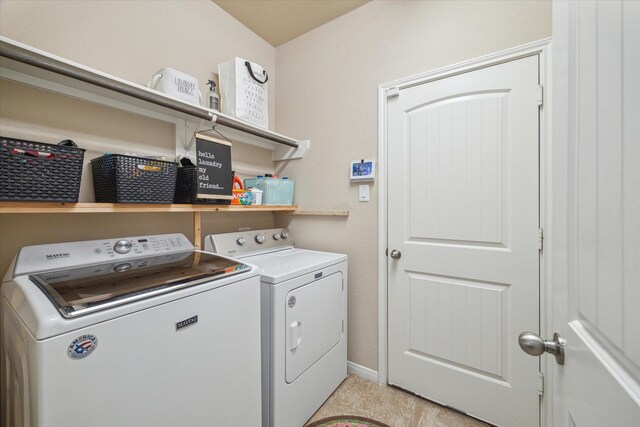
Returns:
<point x="304" y="321"/>
<point x="129" y="332"/>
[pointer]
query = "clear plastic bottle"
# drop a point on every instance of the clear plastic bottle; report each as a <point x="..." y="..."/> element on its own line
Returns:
<point x="214" y="101"/>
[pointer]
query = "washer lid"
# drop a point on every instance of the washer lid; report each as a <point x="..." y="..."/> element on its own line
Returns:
<point x="276" y="267"/>
<point x="83" y="290"/>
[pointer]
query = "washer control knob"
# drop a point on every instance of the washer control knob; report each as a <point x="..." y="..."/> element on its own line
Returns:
<point x="122" y="246"/>
<point x="284" y="235"/>
<point x="276" y="236"/>
<point x="260" y="238"/>
<point x="241" y="241"/>
<point x="122" y="268"/>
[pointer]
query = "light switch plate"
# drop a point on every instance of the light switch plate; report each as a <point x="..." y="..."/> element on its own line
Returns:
<point x="363" y="193"/>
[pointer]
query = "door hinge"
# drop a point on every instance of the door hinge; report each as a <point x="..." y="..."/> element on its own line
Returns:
<point x="343" y="326"/>
<point x="386" y="252"/>
<point x="540" y="383"/>
<point x="540" y="238"/>
<point x="540" y="95"/>
<point x="393" y="91"/>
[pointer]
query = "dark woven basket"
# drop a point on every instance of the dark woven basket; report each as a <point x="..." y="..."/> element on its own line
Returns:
<point x="186" y="188"/>
<point x="38" y="172"/>
<point x="126" y="179"/>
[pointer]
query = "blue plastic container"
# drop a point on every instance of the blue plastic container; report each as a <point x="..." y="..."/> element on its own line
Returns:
<point x="276" y="191"/>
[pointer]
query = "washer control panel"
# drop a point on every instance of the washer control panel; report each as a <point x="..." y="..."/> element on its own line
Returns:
<point x="33" y="259"/>
<point x="249" y="242"/>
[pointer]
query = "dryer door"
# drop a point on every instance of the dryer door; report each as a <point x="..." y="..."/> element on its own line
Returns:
<point x="315" y="323"/>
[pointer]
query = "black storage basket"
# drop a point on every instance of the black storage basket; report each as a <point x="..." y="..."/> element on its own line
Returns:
<point x="186" y="188"/>
<point x="38" y="172"/>
<point x="127" y="179"/>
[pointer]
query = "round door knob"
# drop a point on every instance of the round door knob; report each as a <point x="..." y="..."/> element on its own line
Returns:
<point x="276" y="236"/>
<point x="284" y="235"/>
<point x="260" y="238"/>
<point x="531" y="343"/>
<point x="395" y="254"/>
<point x="241" y="241"/>
<point x="122" y="246"/>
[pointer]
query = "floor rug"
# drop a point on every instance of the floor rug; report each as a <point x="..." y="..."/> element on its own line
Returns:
<point x="347" y="421"/>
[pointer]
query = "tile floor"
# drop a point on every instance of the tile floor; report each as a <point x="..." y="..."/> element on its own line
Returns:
<point x="357" y="396"/>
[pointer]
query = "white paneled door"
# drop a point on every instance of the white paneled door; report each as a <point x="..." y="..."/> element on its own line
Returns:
<point x="463" y="220"/>
<point x="595" y="235"/>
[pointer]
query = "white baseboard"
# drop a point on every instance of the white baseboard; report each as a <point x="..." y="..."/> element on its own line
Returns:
<point x="362" y="371"/>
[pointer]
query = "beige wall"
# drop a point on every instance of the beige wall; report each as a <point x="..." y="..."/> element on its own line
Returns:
<point x="131" y="40"/>
<point x="327" y="91"/>
<point x="134" y="39"/>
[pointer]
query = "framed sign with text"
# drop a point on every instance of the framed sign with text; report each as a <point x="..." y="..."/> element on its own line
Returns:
<point x="213" y="160"/>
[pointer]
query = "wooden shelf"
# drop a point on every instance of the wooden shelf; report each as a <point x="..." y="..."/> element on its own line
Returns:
<point x="43" y="207"/>
<point x="315" y="212"/>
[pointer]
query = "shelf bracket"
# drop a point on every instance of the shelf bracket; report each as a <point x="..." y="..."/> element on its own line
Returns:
<point x="283" y="153"/>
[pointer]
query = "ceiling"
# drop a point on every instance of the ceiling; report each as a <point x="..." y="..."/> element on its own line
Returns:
<point x="279" y="21"/>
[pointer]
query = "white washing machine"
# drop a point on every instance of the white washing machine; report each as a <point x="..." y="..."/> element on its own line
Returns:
<point x="304" y="321"/>
<point x="130" y="332"/>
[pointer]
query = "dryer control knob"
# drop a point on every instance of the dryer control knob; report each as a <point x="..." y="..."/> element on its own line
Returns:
<point x="122" y="246"/>
<point x="260" y="238"/>
<point x="276" y="236"/>
<point x="241" y="241"/>
<point x="284" y="235"/>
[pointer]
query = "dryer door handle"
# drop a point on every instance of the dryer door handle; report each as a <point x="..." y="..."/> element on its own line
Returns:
<point x="295" y="335"/>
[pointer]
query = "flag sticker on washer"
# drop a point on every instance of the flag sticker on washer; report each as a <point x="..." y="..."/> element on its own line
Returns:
<point x="82" y="346"/>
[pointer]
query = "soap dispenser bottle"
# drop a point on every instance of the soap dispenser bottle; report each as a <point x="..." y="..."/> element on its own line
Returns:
<point x="214" y="101"/>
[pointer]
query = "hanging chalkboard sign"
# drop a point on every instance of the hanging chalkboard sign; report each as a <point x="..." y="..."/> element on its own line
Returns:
<point x="213" y="160"/>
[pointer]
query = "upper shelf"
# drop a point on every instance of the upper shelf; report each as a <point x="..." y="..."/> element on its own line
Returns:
<point x="25" y="64"/>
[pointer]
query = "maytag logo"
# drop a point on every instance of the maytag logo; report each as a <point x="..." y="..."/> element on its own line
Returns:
<point x="58" y="256"/>
<point x="186" y="322"/>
